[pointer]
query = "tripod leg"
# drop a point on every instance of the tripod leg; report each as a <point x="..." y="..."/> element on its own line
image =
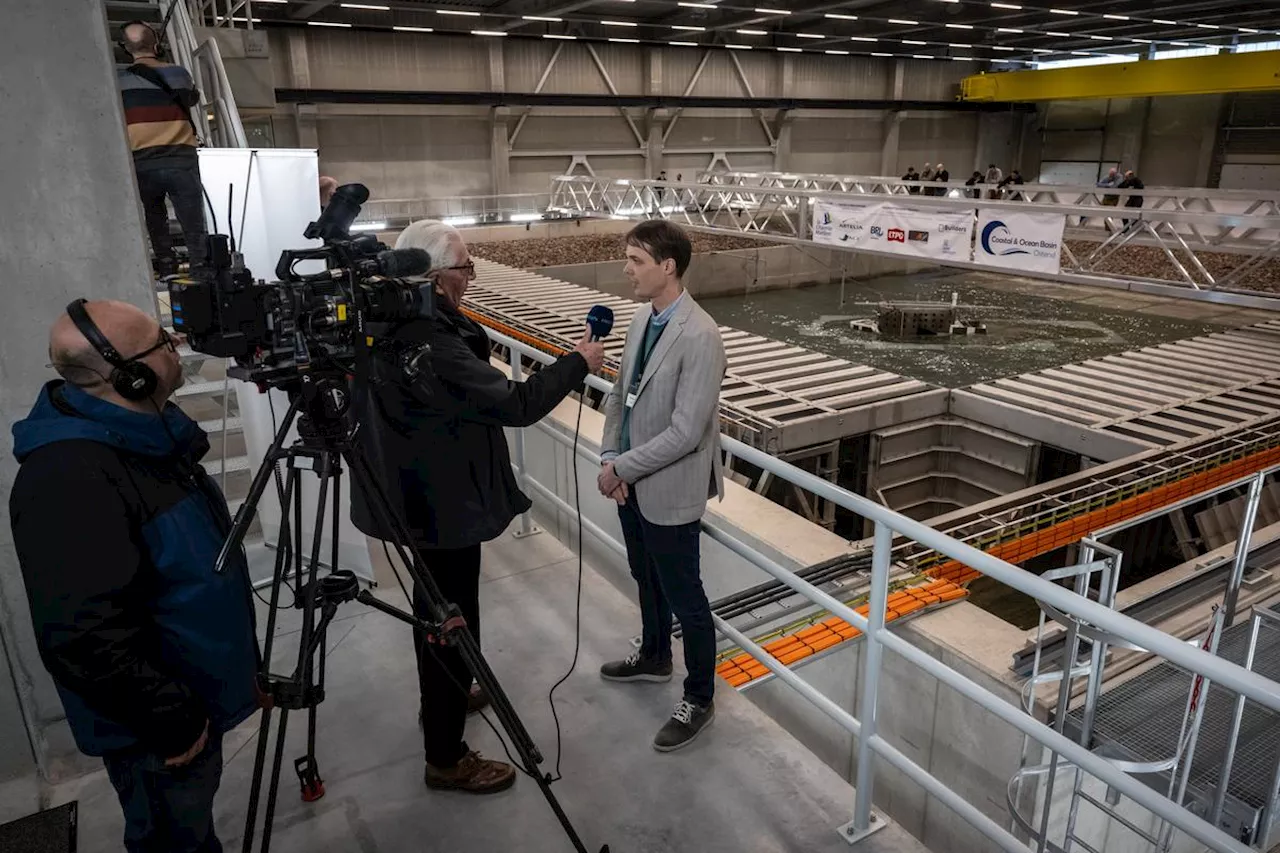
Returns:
<point x="255" y="786"/>
<point x="270" y="816"/>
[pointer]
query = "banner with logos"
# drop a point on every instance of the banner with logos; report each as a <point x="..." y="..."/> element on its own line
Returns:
<point x="1019" y="241"/>
<point x="890" y="227"/>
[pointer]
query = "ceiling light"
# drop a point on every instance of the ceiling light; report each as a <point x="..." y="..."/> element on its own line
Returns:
<point x="1040" y="50"/>
<point x="809" y="36"/>
<point x="277" y="2"/>
<point x="620" y="23"/>
<point x="495" y="33"/>
<point x="882" y="54"/>
<point x="947" y="1"/>
<point x="837" y="52"/>
<point x="1166" y="23"/>
<point x="626" y="41"/>
<point x="540" y="18"/>
<point x="790" y="49"/>
<point x="1101" y="38"/>
<point x="1209" y="26"/>
<point x="561" y="38"/>
<point x="688" y="29"/>
<point x="365" y="6"/>
<point x="957" y="44"/>
<point x="999" y="47"/>
<point x="245" y="20"/>
<point x="738" y="46"/>
<point x="751" y="32"/>
<point x="960" y="26"/>
<point x="1117" y="17"/>
<point x="1063" y="12"/>
<point x="1183" y="44"/>
<point x="909" y="41"/>
<point x="1247" y="30"/>
<point x="1005" y="6"/>
<point x="920" y="56"/>
<point x="861" y="38"/>
<point x="1058" y="34"/>
<point x="683" y="43"/>
<point x="1080" y="53"/>
<point x="1007" y="30"/>
<point x="764" y="10"/>
<point x="326" y="24"/>
<point x="964" y="59"/>
<point x="457" y="12"/>
<point x="1142" y="41"/>
<point x="904" y="22"/>
<point x="407" y="29"/>
<point x="696" y="5"/>
<point x="839" y="17"/>
<point x="367" y="226"/>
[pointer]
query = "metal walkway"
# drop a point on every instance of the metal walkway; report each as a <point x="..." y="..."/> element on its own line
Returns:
<point x="775" y="396"/>
<point x="1184" y="224"/>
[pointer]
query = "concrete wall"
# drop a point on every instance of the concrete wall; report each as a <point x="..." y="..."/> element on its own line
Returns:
<point x="71" y="227"/>
<point x="403" y="151"/>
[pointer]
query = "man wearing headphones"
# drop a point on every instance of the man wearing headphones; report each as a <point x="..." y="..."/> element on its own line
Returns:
<point x="158" y="97"/>
<point x="117" y="528"/>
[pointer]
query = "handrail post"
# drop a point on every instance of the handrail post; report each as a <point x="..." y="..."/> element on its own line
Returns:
<point x="1242" y="549"/>
<point x="864" y="821"/>
<point x="527" y="527"/>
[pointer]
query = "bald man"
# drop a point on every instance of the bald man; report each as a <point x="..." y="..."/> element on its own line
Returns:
<point x="117" y="528"/>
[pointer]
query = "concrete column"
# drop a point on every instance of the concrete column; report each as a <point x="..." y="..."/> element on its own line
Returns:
<point x="1140" y="136"/>
<point x="890" y="144"/>
<point x="304" y="117"/>
<point x="653" y="79"/>
<point x="782" y="142"/>
<point x="299" y="63"/>
<point x="499" y="152"/>
<point x="497" y="72"/>
<point x="72" y="227"/>
<point x="655" y="125"/>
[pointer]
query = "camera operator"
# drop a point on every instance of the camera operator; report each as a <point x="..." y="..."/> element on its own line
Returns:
<point x="117" y="528"/>
<point x="438" y="445"/>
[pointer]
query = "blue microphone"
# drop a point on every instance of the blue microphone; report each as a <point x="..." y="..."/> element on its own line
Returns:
<point x="600" y="319"/>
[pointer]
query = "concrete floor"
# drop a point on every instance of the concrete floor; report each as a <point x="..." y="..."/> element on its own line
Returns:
<point x="746" y="785"/>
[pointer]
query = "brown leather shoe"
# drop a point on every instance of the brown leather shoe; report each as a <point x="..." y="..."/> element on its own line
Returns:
<point x="472" y="774"/>
<point x="477" y="699"/>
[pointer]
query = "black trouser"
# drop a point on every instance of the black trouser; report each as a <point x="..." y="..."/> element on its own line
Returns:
<point x="183" y="189"/>
<point x="444" y="681"/>
<point x="167" y="809"/>
<point x="665" y="562"/>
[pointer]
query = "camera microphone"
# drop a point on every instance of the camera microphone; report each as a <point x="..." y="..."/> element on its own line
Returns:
<point x="403" y="263"/>
<point x="600" y="319"/>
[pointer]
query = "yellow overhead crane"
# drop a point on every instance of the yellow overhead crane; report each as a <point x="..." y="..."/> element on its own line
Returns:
<point x="1196" y="75"/>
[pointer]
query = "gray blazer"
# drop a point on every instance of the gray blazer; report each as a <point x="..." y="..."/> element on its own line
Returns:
<point x="674" y="462"/>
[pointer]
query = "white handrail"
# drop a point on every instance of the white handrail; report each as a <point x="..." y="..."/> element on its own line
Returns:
<point x="1232" y="676"/>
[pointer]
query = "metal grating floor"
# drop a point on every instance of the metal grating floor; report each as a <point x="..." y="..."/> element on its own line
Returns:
<point x="775" y="395"/>
<point x="1143" y="716"/>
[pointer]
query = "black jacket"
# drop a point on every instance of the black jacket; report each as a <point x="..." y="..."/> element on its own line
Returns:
<point x="437" y="445"/>
<point x="117" y="527"/>
<point x="1134" y="183"/>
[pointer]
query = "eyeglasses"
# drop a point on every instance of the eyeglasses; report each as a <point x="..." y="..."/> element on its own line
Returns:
<point x="469" y="266"/>
<point x="166" y="340"/>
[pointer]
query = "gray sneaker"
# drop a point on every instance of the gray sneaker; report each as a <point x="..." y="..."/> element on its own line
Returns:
<point x="686" y="723"/>
<point x="636" y="668"/>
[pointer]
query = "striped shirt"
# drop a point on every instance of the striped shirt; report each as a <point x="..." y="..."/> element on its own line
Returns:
<point x="160" y="131"/>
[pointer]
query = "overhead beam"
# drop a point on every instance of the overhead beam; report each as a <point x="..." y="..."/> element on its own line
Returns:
<point x="1196" y="75"/>
<point x="310" y="9"/>
<point x="514" y="99"/>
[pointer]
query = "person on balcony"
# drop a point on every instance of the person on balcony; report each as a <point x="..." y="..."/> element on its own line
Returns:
<point x="158" y="97"/>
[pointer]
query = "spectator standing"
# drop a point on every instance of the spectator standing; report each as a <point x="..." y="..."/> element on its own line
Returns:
<point x="974" y="180"/>
<point x="994" y="175"/>
<point x="912" y="175"/>
<point x="158" y="97"/>
<point x="1014" y="178"/>
<point x="941" y="176"/>
<point x="1131" y="182"/>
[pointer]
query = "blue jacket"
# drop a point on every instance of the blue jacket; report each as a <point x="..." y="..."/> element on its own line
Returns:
<point x="117" y="528"/>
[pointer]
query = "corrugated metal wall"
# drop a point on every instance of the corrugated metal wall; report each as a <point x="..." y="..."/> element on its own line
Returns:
<point x="951" y="140"/>
<point x="407" y="156"/>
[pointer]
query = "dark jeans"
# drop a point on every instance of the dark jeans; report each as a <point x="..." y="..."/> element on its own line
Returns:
<point x="167" y="809"/>
<point x="665" y="563"/>
<point x="444" y="680"/>
<point x="182" y="187"/>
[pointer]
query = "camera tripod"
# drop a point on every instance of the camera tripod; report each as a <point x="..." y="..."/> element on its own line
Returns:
<point x="320" y="405"/>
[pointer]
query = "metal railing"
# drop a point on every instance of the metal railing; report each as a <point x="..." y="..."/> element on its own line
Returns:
<point x="203" y="60"/>
<point x="457" y="210"/>
<point x="871" y="746"/>
<point x="1181" y="230"/>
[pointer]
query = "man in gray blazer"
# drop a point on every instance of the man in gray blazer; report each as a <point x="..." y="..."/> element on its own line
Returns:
<point x="661" y="462"/>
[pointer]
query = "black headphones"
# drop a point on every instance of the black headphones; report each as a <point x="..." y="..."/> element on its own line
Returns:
<point x="123" y="41"/>
<point x="131" y="379"/>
